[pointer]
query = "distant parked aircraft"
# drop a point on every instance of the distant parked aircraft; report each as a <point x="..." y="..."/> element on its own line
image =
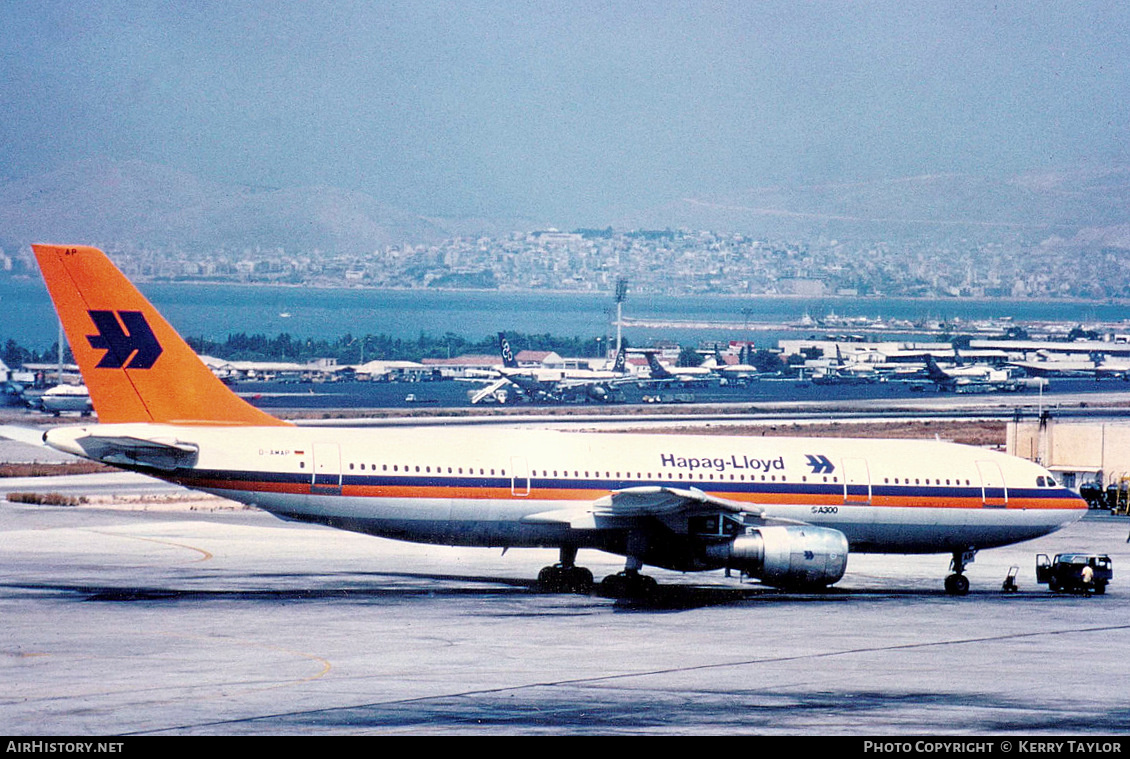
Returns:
<point x="978" y="378"/>
<point x="562" y="384"/>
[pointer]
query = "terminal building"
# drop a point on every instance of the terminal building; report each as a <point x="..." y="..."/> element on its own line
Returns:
<point x="1084" y="455"/>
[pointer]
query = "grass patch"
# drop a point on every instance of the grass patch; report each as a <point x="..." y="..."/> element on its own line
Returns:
<point x="46" y="499"/>
<point x="53" y="470"/>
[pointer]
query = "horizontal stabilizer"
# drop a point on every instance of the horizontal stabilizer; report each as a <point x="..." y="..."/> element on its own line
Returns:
<point x="124" y="450"/>
<point x="28" y="435"/>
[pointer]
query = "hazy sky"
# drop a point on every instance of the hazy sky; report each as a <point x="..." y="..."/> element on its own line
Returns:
<point x="564" y="112"/>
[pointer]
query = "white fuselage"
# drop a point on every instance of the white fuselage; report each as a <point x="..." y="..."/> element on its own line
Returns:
<point x="470" y="485"/>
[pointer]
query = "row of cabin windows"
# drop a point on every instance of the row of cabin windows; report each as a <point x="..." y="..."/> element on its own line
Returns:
<point x="546" y="473"/>
<point x="926" y="481"/>
<point x="1041" y="482"/>
<point x="428" y="470"/>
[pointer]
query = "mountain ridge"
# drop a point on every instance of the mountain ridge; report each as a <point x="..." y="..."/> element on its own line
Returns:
<point x="134" y="203"/>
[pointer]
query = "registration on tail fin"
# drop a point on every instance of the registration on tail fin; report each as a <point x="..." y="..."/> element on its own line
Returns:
<point x="136" y="367"/>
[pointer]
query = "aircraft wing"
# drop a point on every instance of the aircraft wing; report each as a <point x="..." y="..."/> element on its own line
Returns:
<point x="621" y="508"/>
<point x="574" y="382"/>
<point x="489" y="390"/>
<point x="658" y="501"/>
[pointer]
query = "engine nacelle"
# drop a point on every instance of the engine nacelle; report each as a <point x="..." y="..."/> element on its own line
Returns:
<point x="788" y="556"/>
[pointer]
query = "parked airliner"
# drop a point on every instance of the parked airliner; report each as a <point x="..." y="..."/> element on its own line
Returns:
<point x="561" y="384"/>
<point x="786" y="511"/>
<point x="972" y="379"/>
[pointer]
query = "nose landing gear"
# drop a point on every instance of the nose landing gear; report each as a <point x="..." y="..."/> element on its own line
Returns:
<point x="957" y="584"/>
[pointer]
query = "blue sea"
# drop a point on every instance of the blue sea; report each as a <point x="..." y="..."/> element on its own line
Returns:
<point x="214" y="311"/>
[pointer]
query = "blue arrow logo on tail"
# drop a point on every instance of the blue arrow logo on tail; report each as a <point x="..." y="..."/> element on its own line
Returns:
<point x="136" y="340"/>
<point x="820" y="464"/>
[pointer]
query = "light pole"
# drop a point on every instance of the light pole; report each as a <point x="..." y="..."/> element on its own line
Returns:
<point x="621" y="295"/>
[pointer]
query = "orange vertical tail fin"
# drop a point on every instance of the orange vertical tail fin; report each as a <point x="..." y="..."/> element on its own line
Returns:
<point x="136" y="367"/>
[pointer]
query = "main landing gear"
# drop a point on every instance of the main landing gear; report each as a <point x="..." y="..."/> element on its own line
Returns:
<point x="957" y="584"/>
<point x="629" y="583"/>
<point x="565" y="576"/>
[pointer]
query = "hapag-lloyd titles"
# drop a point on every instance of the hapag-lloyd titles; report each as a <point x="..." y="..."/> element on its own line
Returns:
<point x="722" y="464"/>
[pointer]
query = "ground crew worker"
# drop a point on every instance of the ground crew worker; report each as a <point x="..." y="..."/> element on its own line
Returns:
<point x="1087" y="576"/>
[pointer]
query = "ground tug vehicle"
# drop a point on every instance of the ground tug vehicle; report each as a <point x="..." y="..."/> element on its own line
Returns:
<point x="1075" y="572"/>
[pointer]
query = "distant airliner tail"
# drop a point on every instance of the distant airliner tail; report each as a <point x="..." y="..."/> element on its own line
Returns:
<point x="933" y="371"/>
<point x="508" y="359"/>
<point x="657" y="370"/>
<point x="620" y="364"/>
<point x="135" y="365"/>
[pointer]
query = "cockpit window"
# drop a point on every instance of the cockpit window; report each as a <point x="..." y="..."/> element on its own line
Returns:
<point x="1039" y="482"/>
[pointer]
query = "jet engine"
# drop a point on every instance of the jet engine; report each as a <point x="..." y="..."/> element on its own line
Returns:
<point x="789" y="556"/>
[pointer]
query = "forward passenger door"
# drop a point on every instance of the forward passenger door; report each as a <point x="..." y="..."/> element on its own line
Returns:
<point x="994" y="493"/>
<point x="857" y="482"/>
<point x="327" y="469"/>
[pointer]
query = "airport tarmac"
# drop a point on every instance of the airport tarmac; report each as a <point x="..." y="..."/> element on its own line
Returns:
<point x="154" y="618"/>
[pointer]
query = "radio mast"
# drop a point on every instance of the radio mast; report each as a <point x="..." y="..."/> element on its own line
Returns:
<point x="621" y="294"/>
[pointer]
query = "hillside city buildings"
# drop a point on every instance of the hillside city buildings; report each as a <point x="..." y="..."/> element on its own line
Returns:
<point x="666" y="262"/>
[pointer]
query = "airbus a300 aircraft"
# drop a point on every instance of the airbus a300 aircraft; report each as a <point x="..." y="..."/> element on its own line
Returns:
<point x="783" y="510"/>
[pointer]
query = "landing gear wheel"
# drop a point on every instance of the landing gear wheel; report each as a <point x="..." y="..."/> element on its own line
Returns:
<point x="957" y="585"/>
<point x="561" y="579"/>
<point x="580" y="581"/>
